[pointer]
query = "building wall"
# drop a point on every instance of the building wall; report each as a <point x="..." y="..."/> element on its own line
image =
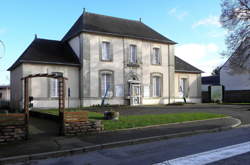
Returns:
<point x="5" y="92"/>
<point x="84" y="81"/>
<point x="75" y="44"/>
<point x="39" y="88"/>
<point x="92" y="65"/>
<point x="236" y="78"/>
<point x="194" y="87"/>
<point x="16" y="86"/>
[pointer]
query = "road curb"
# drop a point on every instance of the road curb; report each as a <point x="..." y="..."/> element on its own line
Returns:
<point x="53" y="154"/>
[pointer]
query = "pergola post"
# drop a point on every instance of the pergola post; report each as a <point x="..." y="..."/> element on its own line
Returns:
<point x="61" y="92"/>
<point x="61" y="88"/>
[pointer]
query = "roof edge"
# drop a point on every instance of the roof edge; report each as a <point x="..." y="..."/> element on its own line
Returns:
<point x="185" y="71"/>
<point x="41" y="62"/>
<point x="119" y="35"/>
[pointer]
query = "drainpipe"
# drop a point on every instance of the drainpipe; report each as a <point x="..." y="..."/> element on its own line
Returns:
<point x="80" y="70"/>
<point x="168" y="75"/>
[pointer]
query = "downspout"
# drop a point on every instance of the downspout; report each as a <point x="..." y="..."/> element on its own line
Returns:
<point x="80" y="70"/>
<point x="124" y="65"/>
<point x="168" y="75"/>
<point x="81" y="62"/>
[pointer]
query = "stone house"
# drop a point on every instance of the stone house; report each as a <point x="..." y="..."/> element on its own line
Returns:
<point x="125" y="61"/>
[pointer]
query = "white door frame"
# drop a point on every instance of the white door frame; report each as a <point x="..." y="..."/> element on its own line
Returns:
<point x="135" y="97"/>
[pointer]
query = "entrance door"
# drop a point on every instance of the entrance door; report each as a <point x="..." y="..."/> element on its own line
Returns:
<point x="135" y="97"/>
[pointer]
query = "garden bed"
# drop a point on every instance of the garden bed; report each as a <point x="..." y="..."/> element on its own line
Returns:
<point x="133" y="121"/>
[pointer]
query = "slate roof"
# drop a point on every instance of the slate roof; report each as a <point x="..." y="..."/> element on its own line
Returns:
<point x="4" y="87"/>
<point x="211" y="80"/>
<point x="107" y="25"/>
<point x="183" y="66"/>
<point x="45" y="51"/>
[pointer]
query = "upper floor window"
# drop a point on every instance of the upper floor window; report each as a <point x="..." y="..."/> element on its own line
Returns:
<point x="106" y="51"/>
<point x="106" y="83"/>
<point x="156" y="59"/>
<point x="133" y="54"/>
<point x="54" y="85"/>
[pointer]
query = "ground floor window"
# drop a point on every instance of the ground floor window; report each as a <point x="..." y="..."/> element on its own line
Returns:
<point x="183" y="87"/>
<point x="106" y="83"/>
<point x="54" y="85"/>
<point x="156" y="84"/>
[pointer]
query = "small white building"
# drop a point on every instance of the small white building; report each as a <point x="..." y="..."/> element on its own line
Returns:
<point x="125" y="61"/>
<point x="236" y="79"/>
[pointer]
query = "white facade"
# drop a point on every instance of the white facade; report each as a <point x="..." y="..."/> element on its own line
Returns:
<point x="132" y="84"/>
<point x="237" y="78"/>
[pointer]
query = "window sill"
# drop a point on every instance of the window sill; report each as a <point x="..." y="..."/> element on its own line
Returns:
<point x="156" y="64"/>
<point x="133" y="65"/>
<point x="106" y="60"/>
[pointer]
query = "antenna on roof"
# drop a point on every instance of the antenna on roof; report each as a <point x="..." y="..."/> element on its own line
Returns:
<point x="140" y="19"/>
<point x="35" y="36"/>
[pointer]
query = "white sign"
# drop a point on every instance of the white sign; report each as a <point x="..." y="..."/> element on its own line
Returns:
<point x="119" y="90"/>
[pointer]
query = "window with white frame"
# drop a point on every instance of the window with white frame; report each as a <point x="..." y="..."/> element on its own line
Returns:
<point x="156" y="59"/>
<point x="106" y="52"/>
<point x="54" y="85"/>
<point x="156" y="86"/>
<point x="133" y="54"/>
<point x="183" y="87"/>
<point x="106" y="84"/>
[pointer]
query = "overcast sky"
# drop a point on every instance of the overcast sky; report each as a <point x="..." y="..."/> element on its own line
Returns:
<point x="193" y="24"/>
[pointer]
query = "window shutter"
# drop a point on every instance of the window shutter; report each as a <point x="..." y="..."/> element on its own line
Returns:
<point x="111" y="51"/>
<point x="100" y="50"/>
<point x="160" y="58"/>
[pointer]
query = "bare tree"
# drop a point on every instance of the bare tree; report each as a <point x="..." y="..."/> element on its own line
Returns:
<point x="216" y="71"/>
<point x="235" y="17"/>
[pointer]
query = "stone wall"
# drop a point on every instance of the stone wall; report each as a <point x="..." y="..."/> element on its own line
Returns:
<point x="12" y="127"/>
<point x="81" y="128"/>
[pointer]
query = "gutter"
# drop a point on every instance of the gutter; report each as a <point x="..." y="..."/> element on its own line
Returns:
<point x="120" y="35"/>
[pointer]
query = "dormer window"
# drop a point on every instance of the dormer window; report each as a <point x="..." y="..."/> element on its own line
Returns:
<point x="133" y="54"/>
<point x="106" y="51"/>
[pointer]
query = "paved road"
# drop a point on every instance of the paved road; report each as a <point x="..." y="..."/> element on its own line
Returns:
<point x="162" y="151"/>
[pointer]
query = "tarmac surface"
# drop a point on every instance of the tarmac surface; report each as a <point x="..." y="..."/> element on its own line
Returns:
<point x="44" y="137"/>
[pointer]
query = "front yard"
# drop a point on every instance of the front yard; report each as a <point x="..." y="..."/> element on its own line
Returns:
<point x="133" y="121"/>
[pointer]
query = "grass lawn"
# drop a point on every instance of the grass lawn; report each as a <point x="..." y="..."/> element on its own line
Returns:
<point x="146" y="120"/>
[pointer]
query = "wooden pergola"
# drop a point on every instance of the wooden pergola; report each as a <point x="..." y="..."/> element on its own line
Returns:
<point x="61" y="97"/>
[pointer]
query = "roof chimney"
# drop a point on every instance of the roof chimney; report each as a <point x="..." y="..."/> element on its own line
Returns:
<point x="140" y="19"/>
<point x="35" y="36"/>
